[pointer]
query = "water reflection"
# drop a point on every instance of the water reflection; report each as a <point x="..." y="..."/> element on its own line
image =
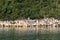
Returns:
<point x="13" y="34"/>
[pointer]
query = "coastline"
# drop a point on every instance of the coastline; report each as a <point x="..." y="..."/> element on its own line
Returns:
<point x="48" y="24"/>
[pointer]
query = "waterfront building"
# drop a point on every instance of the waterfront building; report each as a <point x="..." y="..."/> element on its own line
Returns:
<point x="32" y="24"/>
<point x="29" y="24"/>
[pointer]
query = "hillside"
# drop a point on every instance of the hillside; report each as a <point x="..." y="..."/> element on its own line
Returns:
<point x="20" y="9"/>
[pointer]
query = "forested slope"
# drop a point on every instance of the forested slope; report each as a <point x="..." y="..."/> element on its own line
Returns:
<point x="20" y="9"/>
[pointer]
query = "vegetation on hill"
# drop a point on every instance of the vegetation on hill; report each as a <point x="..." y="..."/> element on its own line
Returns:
<point x="20" y="9"/>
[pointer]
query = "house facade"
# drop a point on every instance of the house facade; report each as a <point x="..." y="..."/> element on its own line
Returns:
<point x="29" y="24"/>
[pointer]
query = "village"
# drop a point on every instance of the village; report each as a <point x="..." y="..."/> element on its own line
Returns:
<point x="49" y="24"/>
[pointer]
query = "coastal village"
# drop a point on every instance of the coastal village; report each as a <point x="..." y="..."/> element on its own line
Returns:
<point x="32" y="24"/>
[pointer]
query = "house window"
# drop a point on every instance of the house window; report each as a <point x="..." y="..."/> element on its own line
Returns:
<point x="34" y="25"/>
<point x="3" y="25"/>
<point x="40" y="26"/>
<point x="16" y="26"/>
<point x="28" y="26"/>
<point x="9" y="26"/>
<point x="20" y="26"/>
<point x="46" y="26"/>
<point x="58" y="25"/>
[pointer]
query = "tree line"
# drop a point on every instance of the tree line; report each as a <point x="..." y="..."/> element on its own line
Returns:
<point x="34" y="9"/>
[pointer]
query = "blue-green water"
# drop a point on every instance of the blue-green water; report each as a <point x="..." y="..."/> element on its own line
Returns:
<point x="12" y="34"/>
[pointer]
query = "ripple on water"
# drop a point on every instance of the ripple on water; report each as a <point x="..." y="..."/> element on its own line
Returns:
<point x="13" y="34"/>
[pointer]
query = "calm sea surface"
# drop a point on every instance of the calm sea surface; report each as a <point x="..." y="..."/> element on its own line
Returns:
<point x="13" y="34"/>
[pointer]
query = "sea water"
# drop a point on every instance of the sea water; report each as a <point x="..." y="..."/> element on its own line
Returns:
<point x="13" y="34"/>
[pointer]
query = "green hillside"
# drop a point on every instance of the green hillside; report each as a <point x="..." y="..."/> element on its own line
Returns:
<point x="20" y="9"/>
